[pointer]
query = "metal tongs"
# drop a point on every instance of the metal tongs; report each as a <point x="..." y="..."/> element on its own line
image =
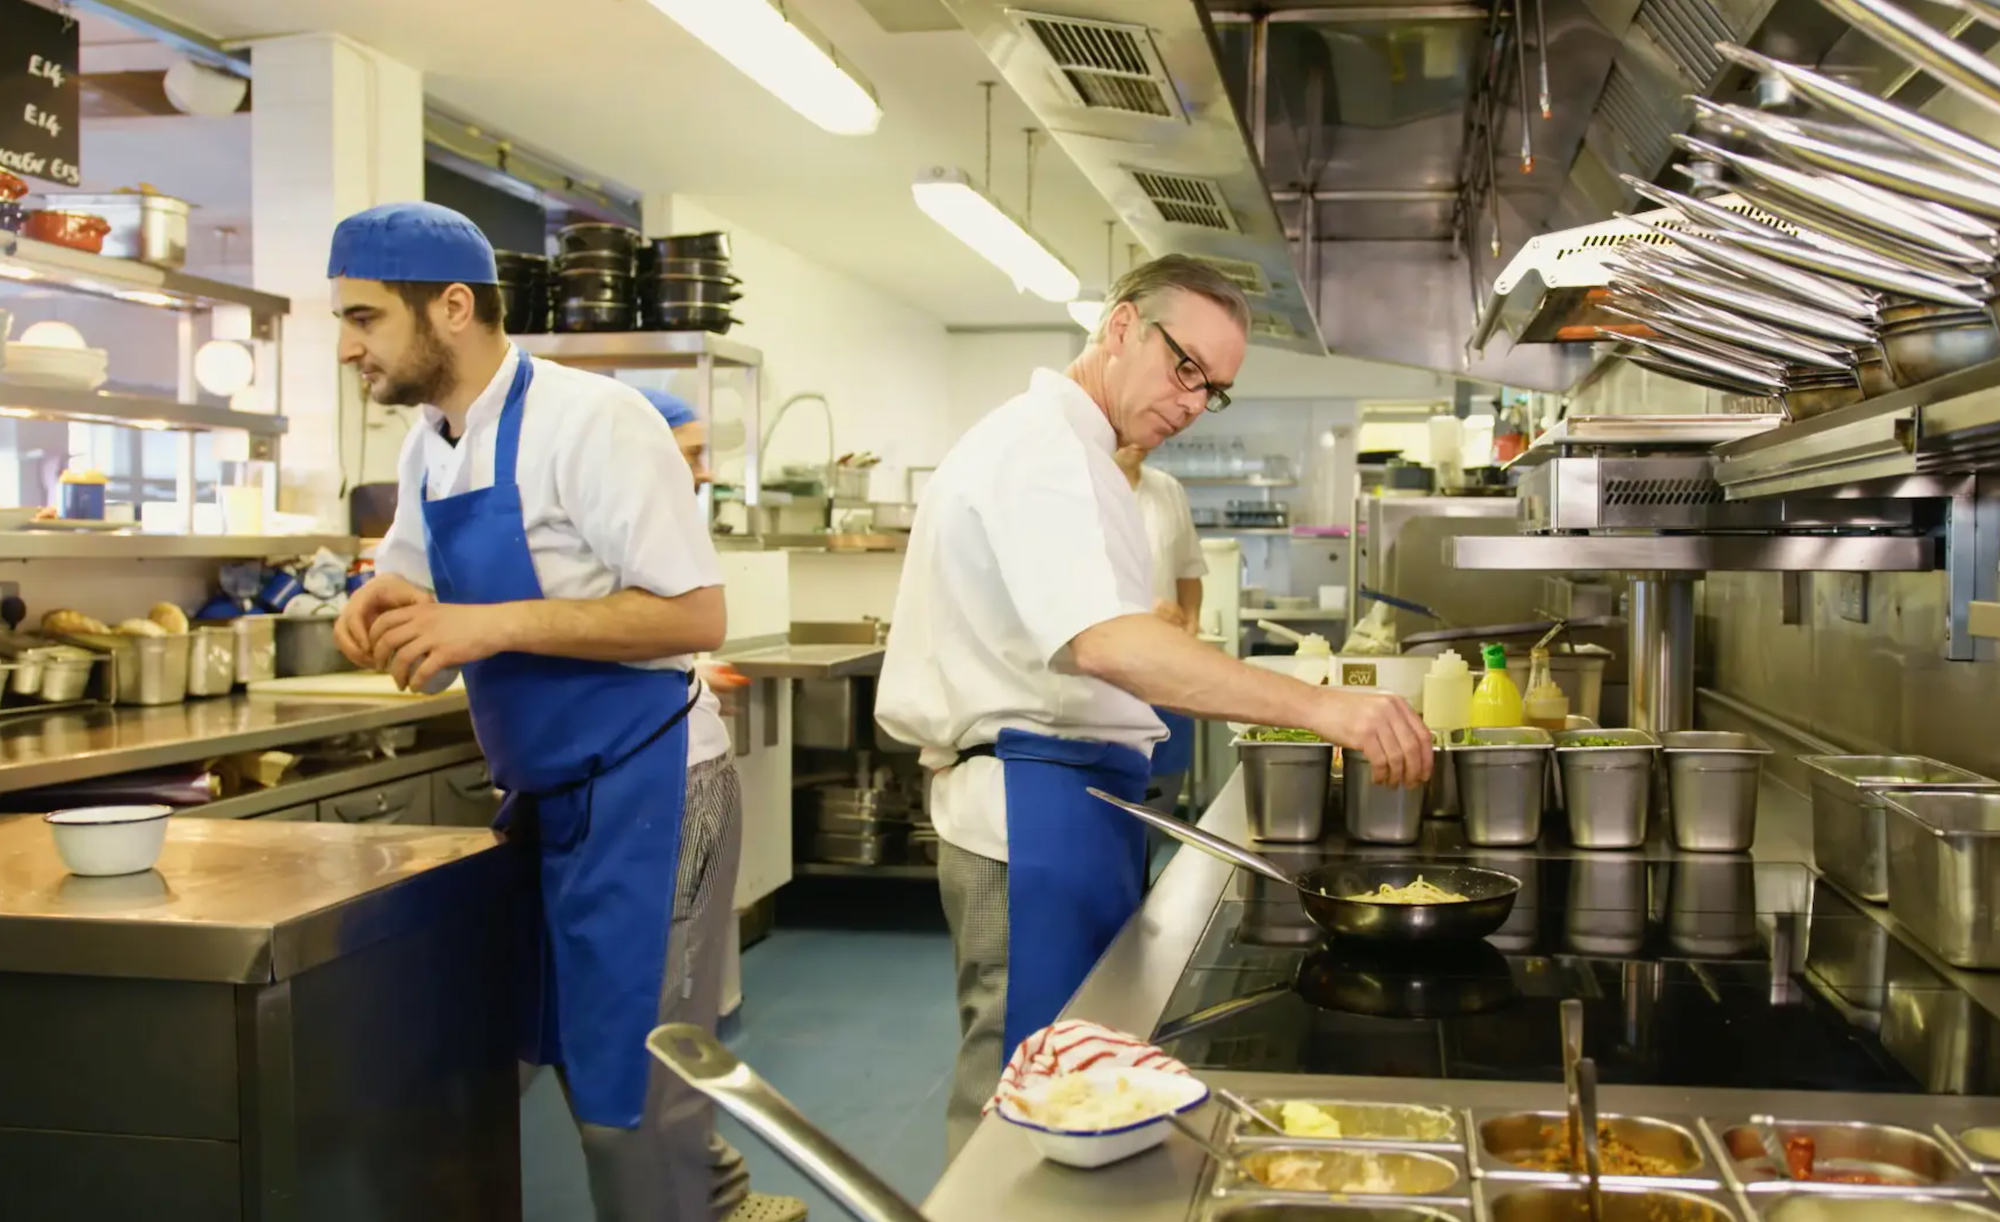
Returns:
<point x="1593" y="1156"/>
<point x="1572" y="1053"/>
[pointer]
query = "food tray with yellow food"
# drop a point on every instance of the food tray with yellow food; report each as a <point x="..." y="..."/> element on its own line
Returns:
<point x="1413" y="1126"/>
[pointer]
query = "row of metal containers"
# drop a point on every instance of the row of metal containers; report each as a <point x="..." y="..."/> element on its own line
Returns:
<point x="1417" y="1161"/>
<point x="1920" y="836"/>
<point x="210" y="659"/>
<point x="1607" y="782"/>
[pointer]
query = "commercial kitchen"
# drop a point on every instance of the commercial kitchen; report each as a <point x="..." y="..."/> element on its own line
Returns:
<point x="1645" y="352"/>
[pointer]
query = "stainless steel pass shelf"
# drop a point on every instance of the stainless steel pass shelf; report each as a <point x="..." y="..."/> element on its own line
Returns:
<point x="1695" y="553"/>
<point x="920" y="872"/>
<point x="56" y="544"/>
<point x="640" y="349"/>
<point x="28" y="262"/>
<point x="131" y="411"/>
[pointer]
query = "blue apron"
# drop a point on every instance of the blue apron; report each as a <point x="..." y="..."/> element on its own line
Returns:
<point x="1076" y="867"/>
<point x="1175" y="754"/>
<point x="593" y="757"/>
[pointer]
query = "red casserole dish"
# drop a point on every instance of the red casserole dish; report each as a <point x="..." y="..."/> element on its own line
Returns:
<point x="76" y="230"/>
<point x="11" y="188"/>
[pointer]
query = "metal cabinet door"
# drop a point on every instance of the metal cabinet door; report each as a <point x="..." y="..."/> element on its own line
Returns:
<point x="463" y="796"/>
<point x="306" y="813"/>
<point x="405" y="801"/>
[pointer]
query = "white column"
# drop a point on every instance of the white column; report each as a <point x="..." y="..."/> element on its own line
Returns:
<point x="337" y="128"/>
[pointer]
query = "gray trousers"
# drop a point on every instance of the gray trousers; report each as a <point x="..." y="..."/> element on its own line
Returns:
<point x="673" y="1167"/>
<point x="975" y="906"/>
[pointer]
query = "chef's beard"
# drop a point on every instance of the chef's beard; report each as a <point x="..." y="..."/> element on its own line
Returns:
<point x="427" y="374"/>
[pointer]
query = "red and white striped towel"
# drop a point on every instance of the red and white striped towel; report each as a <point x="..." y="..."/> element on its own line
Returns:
<point x="1072" y="1047"/>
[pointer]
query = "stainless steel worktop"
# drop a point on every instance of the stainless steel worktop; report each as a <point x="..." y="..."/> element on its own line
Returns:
<point x="789" y="661"/>
<point x="999" y="1177"/>
<point x="235" y="901"/>
<point x="58" y="748"/>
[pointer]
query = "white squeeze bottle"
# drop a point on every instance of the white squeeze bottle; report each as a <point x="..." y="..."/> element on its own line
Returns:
<point x="1312" y="662"/>
<point x="1448" y="693"/>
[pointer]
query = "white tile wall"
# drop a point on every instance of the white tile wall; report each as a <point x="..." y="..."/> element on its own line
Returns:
<point x="833" y="587"/>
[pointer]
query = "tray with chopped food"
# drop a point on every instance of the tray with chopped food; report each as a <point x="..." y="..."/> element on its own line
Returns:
<point x="1871" y="1159"/>
<point x="1287" y="1207"/>
<point x="1402" y="1125"/>
<point x="1320" y="1171"/>
<point x="1505" y="1201"/>
<point x="1655" y="1150"/>
<point x="1277" y="734"/>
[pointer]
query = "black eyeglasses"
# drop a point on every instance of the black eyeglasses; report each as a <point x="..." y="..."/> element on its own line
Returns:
<point x="1189" y="373"/>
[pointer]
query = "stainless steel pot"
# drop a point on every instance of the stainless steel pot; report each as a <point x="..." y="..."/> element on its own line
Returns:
<point x="1930" y="348"/>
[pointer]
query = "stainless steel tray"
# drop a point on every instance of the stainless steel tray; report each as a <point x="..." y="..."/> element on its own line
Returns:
<point x="1526" y="1201"/>
<point x="1850" y="1146"/>
<point x="1363" y="1124"/>
<point x="1492" y="1132"/>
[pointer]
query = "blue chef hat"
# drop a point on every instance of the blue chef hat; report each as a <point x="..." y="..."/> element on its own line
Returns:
<point x="677" y="410"/>
<point x="414" y="241"/>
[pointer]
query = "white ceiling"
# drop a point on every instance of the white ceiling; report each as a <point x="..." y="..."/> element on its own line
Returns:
<point x="616" y="88"/>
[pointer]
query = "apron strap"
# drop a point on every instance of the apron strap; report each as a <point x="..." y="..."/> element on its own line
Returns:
<point x="507" y="446"/>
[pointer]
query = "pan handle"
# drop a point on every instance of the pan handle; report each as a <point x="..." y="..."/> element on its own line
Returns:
<point x="713" y="1070"/>
<point x="1194" y="837"/>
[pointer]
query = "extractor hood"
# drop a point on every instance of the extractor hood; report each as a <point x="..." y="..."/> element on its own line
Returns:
<point x="1341" y="160"/>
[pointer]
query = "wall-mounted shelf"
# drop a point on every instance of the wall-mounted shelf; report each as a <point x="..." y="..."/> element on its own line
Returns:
<point x="131" y="411"/>
<point x="640" y="349"/>
<point x="1234" y="481"/>
<point x="26" y="261"/>
<point x="134" y="545"/>
<point x="1245" y="530"/>
<point x="1695" y="553"/>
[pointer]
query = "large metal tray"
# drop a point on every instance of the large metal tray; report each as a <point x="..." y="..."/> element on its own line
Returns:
<point x="1492" y="1133"/>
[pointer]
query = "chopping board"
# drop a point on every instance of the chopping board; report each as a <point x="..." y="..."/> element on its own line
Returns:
<point x="353" y="684"/>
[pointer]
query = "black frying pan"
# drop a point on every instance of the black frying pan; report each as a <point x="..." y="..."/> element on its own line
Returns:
<point x="1324" y="891"/>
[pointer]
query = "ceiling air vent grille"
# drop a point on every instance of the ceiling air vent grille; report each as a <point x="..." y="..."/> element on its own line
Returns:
<point x="1687" y="30"/>
<point x="1648" y="135"/>
<point x="1271" y="326"/>
<point x="1186" y="200"/>
<point x="1106" y="65"/>
<point x="1244" y="274"/>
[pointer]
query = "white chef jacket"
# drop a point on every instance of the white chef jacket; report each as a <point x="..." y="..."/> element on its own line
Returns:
<point x="1176" y="549"/>
<point x="1027" y="534"/>
<point x="606" y="498"/>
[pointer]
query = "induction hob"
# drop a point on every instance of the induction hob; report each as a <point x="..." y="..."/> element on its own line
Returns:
<point x="1716" y="972"/>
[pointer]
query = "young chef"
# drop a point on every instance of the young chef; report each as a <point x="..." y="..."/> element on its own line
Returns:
<point x="1026" y="654"/>
<point x="689" y="433"/>
<point x="537" y="546"/>
<point x="1178" y="567"/>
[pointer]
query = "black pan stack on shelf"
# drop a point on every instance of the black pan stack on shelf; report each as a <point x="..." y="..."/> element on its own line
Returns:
<point x="524" y="291"/>
<point x="594" y="278"/>
<point x="687" y="284"/>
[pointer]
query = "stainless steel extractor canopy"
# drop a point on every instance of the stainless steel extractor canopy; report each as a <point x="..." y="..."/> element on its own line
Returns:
<point x="1366" y="170"/>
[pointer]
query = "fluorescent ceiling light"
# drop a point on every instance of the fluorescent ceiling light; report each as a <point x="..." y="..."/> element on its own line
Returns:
<point x="784" y="57"/>
<point x="948" y="198"/>
<point x="1086" y="313"/>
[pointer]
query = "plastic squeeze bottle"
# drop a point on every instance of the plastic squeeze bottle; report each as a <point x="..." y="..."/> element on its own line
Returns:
<point x="1448" y="694"/>
<point x="1312" y="662"/>
<point x="1496" y="702"/>
<point x="1545" y="704"/>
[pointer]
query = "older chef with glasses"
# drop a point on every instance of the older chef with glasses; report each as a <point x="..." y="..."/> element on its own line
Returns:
<point x="1027" y="658"/>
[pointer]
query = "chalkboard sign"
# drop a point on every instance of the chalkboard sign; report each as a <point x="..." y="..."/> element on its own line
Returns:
<point x="38" y="107"/>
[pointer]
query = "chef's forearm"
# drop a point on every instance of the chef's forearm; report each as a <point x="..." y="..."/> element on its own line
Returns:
<point x="1163" y="666"/>
<point x="629" y="626"/>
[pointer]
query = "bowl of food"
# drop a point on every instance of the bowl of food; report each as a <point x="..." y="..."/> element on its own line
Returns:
<point x="1100" y="1116"/>
<point x="105" y="841"/>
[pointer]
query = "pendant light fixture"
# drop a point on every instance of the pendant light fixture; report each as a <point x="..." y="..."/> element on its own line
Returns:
<point x="766" y="43"/>
<point x="971" y="215"/>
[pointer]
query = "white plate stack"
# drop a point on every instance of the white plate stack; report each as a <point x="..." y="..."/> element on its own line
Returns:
<point x="55" y="368"/>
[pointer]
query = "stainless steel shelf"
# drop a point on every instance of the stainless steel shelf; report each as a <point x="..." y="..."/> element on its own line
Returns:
<point x="133" y="545"/>
<point x="1695" y="553"/>
<point x="1234" y="481"/>
<point x="26" y="261"/>
<point x="829" y="869"/>
<point x="640" y="349"/>
<point x="1246" y="530"/>
<point x="132" y="411"/>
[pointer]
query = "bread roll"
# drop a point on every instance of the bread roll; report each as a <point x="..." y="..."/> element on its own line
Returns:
<point x="141" y="627"/>
<point x="171" y="619"/>
<point x="65" y="622"/>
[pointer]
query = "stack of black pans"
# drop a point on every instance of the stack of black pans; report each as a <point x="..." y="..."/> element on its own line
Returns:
<point x="686" y="284"/>
<point x="524" y="291"/>
<point x="594" y="278"/>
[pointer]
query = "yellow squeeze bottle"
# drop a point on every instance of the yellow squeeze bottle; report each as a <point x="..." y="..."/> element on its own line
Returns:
<point x="1496" y="702"/>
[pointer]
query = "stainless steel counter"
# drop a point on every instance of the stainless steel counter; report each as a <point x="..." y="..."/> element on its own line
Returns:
<point x="233" y="901"/>
<point x="58" y="748"/>
<point x="999" y="1176"/>
<point x="839" y="661"/>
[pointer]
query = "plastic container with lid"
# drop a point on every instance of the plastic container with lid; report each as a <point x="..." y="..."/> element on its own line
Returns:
<point x="1448" y="693"/>
<point x="1545" y="704"/>
<point x="1496" y="702"/>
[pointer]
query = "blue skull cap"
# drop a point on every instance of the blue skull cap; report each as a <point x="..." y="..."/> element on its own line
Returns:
<point x="420" y="242"/>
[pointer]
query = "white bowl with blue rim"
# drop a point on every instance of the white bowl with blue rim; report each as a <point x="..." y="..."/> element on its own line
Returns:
<point x="105" y="841"/>
<point x="1088" y="1147"/>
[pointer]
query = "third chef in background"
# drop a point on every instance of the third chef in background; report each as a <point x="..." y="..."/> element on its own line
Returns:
<point x="1027" y="656"/>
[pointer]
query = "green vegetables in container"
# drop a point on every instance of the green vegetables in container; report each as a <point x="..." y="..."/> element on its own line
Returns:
<point x="1276" y="734"/>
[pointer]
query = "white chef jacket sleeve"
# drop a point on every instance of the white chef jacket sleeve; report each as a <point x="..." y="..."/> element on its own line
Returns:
<point x="1187" y="558"/>
<point x="1056" y="559"/>
<point x="622" y="480"/>
<point x="403" y="550"/>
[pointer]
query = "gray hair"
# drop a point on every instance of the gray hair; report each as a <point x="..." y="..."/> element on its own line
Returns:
<point x="1145" y="284"/>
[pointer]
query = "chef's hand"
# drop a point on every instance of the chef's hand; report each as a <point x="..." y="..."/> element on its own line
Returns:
<point x="725" y="681"/>
<point x="1382" y="727"/>
<point x="354" y="630"/>
<point x="1172" y="613"/>
<point x="413" y="643"/>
